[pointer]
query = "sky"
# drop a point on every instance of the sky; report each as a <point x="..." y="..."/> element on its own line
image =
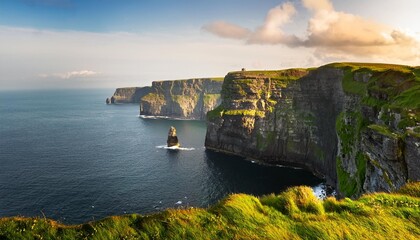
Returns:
<point x="47" y="44"/>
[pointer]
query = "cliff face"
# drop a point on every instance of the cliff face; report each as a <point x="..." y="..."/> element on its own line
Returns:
<point x="184" y="99"/>
<point x="130" y="94"/>
<point x="355" y="124"/>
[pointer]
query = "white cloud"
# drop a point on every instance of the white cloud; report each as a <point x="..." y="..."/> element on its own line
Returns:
<point x="125" y="59"/>
<point x="270" y="32"/>
<point x="70" y="75"/>
<point x="318" y="5"/>
<point x="226" y="30"/>
<point x="338" y="35"/>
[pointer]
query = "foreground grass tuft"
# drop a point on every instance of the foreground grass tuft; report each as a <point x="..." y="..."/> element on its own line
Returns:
<point x="293" y="214"/>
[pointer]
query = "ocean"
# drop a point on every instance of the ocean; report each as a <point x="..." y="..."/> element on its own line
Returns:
<point x="66" y="155"/>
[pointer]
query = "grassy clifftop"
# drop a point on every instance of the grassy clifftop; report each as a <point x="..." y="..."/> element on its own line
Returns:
<point x="293" y="214"/>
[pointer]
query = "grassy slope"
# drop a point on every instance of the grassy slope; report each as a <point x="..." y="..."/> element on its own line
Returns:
<point x="293" y="214"/>
<point x="391" y="88"/>
<point x="216" y="79"/>
<point x="401" y="95"/>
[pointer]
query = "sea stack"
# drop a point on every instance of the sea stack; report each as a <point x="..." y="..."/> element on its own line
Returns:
<point x="172" y="138"/>
<point x="108" y="101"/>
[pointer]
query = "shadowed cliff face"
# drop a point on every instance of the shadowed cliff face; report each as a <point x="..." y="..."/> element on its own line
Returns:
<point x="323" y="120"/>
<point x="184" y="99"/>
<point x="294" y="118"/>
<point x="130" y="94"/>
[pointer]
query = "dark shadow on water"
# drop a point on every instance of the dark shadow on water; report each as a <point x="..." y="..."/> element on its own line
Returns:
<point x="173" y="155"/>
<point x="232" y="174"/>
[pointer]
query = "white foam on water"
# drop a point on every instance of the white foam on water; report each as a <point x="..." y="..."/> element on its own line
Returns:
<point x="153" y="117"/>
<point x="321" y="192"/>
<point x="165" y="117"/>
<point x="175" y="148"/>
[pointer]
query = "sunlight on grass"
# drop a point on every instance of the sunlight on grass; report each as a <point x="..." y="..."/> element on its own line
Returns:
<point x="294" y="214"/>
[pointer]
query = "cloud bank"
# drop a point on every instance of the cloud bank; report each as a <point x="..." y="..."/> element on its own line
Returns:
<point x="331" y="33"/>
<point x="42" y="58"/>
<point x="70" y="75"/>
<point x="227" y="30"/>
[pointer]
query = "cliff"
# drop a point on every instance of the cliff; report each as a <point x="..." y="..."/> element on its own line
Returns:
<point x="293" y="214"/>
<point x="130" y="94"/>
<point x="183" y="99"/>
<point x="355" y="124"/>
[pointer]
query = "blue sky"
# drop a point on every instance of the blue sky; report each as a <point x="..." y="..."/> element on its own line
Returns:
<point x="127" y="15"/>
<point x="110" y="43"/>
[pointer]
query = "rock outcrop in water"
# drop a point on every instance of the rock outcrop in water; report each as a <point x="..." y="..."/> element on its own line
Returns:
<point x="356" y="124"/>
<point x="183" y="99"/>
<point x="130" y="94"/>
<point x="172" y="138"/>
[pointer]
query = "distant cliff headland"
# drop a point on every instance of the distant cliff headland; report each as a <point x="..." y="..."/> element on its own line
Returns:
<point x="181" y="99"/>
<point x="358" y="125"/>
<point x="128" y="95"/>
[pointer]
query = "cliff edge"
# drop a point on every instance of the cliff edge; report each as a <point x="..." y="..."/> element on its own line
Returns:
<point x="130" y="94"/>
<point x="183" y="99"/>
<point x="358" y="125"/>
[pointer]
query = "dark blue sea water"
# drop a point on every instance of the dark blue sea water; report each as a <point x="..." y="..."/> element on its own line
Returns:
<point x="69" y="156"/>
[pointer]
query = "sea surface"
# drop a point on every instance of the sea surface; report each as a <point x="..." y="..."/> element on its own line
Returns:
<point x="66" y="155"/>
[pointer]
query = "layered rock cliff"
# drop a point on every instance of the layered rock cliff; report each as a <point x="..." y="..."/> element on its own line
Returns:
<point x="184" y="99"/>
<point x="355" y="124"/>
<point x="130" y="94"/>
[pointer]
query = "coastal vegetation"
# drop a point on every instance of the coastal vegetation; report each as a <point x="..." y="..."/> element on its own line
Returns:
<point x="368" y="112"/>
<point x="392" y="92"/>
<point x="293" y="214"/>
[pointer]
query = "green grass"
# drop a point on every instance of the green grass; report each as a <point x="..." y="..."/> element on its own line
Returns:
<point x="151" y="97"/>
<point x="347" y="184"/>
<point x="285" y="73"/>
<point x="293" y="214"/>
<point x="244" y="112"/>
<point x="361" y="161"/>
<point x="349" y="135"/>
<point x="216" y="79"/>
<point x="390" y="87"/>
<point x="414" y="133"/>
<point x="412" y="189"/>
<point x="377" y="67"/>
<point x="351" y="86"/>
<point x="350" y="132"/>
<point x="408" y="99"/>
<point x="215" y="113"/>
<point x="384" y="130"/>
<point x="210" y="98"/>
